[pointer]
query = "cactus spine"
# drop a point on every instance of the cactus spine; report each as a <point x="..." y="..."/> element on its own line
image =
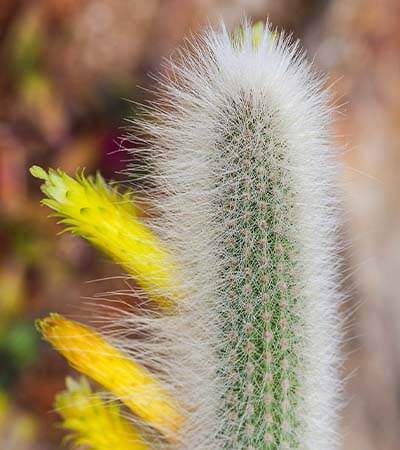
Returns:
<point x="242" y="151"/>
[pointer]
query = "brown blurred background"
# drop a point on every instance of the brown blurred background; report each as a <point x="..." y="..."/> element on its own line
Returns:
<point x="67" y="70"/>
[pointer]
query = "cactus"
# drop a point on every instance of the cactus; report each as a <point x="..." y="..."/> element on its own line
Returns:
<point x="244" y="155"/>
<point x="242" y="176"/>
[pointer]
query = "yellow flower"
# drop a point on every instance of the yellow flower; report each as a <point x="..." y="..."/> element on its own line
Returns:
<point x="92" y="355"/>
<point x="93" y="423"/>
<point x="257" y="31"/>
<point x="109" y="220"/>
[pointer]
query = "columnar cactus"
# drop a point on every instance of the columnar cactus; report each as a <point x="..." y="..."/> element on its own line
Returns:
<point x="244" y="344"/>
<point x="244" y="153"/>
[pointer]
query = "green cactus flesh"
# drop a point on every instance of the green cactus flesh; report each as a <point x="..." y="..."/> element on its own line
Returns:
<point x="260" y="322"/>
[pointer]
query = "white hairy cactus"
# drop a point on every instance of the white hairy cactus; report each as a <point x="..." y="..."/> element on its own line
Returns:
<point x="241" y="157"/>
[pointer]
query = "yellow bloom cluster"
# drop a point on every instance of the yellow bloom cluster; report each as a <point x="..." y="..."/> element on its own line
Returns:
<point x="92" y="355"/>
<point x="109" y="220"/>
<point x="93" y="422"/>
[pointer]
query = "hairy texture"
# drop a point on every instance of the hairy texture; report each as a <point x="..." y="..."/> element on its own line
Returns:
<point x="244" y="171"/>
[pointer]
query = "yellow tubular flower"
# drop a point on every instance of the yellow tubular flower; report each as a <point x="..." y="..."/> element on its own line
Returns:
<point x="92" y="422"/>
<point x="257" y="31"/>
<point x="108" y="219"/>
<point x="92" y="355"/>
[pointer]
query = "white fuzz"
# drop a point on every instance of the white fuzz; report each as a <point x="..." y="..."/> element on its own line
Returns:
<point x="245" y="124"/>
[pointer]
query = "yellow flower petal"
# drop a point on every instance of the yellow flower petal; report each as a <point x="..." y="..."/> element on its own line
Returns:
<point x="108" y="219"/>
<point x="92" y="422"/>
<point x="92" y="355"/>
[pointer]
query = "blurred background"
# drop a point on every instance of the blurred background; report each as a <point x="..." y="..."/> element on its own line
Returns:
<point x="68" y="68"/>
